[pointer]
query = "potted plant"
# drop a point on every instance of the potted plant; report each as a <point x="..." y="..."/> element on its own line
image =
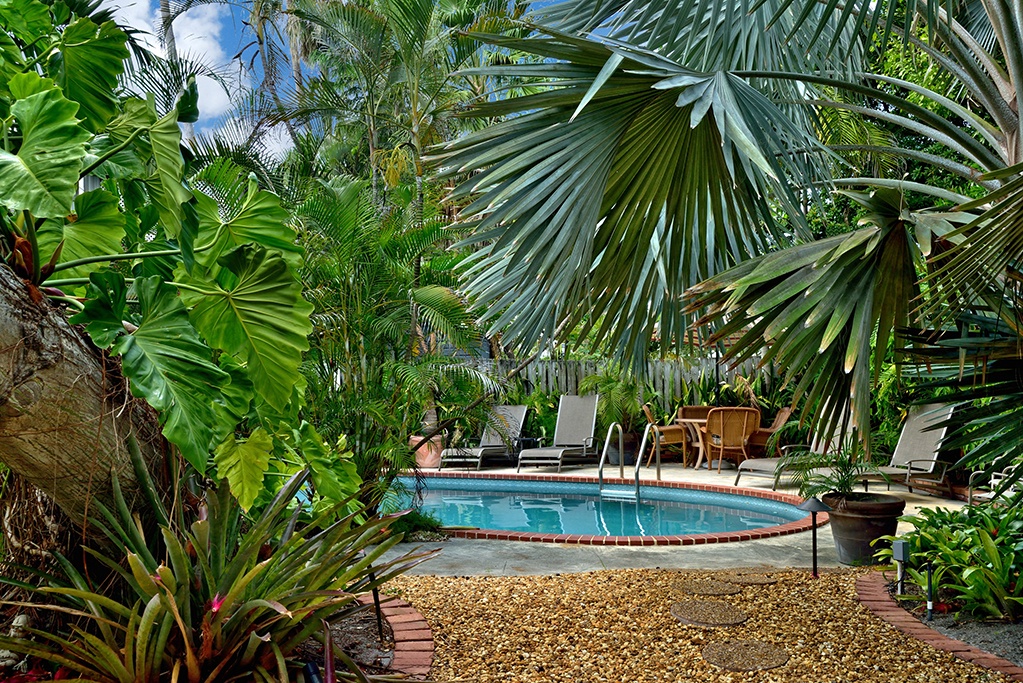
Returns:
<point x="858" y="518"/>
<point x="621" y="396"/>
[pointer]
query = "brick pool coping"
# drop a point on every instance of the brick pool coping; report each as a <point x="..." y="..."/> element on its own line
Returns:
<point x="690" y="539"/>
<point x="413" y="638"/>
<point x="873" y="593"/>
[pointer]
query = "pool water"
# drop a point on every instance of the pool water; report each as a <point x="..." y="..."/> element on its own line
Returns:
<point x="677" y="512"/>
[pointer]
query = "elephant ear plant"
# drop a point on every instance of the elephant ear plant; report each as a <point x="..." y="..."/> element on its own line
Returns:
<point x="214" y="596"/>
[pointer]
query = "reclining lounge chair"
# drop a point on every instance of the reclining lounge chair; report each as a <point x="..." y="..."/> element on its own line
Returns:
<point x="499" y="436"/>
<point x="573" y="435"/>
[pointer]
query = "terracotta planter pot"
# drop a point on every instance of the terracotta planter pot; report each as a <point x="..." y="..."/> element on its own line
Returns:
<point x="427" y="455"/>
<point x="860" y="518"/>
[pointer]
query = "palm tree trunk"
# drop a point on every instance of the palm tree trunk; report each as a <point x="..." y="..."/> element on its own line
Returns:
<point x="65" y="410"/>
<point x="170" y="47"/>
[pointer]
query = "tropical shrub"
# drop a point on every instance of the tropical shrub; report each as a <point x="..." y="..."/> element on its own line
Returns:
<point x="213" y="595"/>
<point x="187" y="276"/>
<point x="976" y="554"/>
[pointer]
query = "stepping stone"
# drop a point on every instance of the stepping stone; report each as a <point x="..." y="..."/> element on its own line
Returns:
<point x="708" y="613"/>
<point x="745" y="655"/>
<point x="708" y="587"/>
<point x="749" y="578"/>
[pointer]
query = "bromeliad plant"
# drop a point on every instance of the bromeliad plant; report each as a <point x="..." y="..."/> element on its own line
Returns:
<point x="976" y="553"/>
<point x="214" y="596"/>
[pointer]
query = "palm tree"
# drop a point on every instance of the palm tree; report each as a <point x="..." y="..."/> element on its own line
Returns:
<point x="672" y="146"/>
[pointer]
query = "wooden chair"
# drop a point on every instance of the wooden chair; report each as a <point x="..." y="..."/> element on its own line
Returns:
<point x="758" y="440"/>
<point x="728" y="431"/>
<point x="666" y="435"/>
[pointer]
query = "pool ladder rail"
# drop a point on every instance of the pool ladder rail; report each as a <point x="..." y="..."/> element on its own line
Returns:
<point x="609" y="494"/>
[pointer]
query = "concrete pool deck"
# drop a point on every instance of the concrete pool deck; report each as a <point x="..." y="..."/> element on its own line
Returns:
<point x="468" y="557"/>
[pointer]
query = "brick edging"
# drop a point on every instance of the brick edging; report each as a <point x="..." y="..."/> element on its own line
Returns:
<point x="413" y="639"/>
<point x="873" y="594"/>
<point x="797" y="526"/>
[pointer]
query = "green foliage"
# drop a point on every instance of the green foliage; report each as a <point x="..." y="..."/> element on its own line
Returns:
<point x="621" y="398"/>
<point x="196" y="293"/>
<point x="977" y="556"/>
<point x="837" y="471"/>
<point x="413" y="521"/>
<point x="166" y="363"/>
<point x="212" y="596"/>
<point x="96" y="227"/>
<point x="384" y="310"/>
<point x="541" y="413"/>
<point x="41" y="177"/>
<point x="254" y="310"/>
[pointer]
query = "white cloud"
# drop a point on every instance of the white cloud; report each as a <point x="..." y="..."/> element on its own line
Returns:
<point x="199" y="35"/>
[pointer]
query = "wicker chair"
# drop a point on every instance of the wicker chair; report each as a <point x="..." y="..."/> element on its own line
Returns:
<point x="667" y="435"/>
<point x="758" y="440"/>
<point x="728" y="431"/>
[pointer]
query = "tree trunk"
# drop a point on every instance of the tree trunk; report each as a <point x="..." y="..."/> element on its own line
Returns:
<point x="65" y="410"/>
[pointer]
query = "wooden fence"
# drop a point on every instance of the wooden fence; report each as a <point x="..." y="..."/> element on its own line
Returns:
<point x="668" y="378"/>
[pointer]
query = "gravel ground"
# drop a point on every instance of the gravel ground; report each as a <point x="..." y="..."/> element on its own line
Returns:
<point x="617" y="627"/>
<point x="1000" y="638"/>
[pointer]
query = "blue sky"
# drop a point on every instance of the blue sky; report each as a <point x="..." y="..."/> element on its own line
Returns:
<point x="212" y="34"/>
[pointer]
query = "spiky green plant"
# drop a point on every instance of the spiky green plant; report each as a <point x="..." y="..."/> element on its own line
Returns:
<point x="212" y="596"/>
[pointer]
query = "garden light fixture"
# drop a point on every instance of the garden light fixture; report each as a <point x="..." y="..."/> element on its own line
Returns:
<point x="813" y="506"/>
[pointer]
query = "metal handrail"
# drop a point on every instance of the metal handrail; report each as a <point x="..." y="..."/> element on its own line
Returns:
<point x="603" y="454"/>
<point x="657" y="450"/>
<point x="621" y="457"/>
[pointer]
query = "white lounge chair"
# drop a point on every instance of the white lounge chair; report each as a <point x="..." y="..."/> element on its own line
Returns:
<point x="775" y="468"/>
<point x="573" y="435"/>
<point x="499" y="436"/>
<point x="915" y="461"/>
<point x="1002" y="486"/>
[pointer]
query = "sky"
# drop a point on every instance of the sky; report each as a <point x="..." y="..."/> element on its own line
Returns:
<point x="212" y="34"/>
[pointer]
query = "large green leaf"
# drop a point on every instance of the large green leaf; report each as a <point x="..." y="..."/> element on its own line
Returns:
<point x="243" y="464"/>
<point x="235" y="397"/>
<point x="334" y="474"/>
<point x="90" y="60"/>
<point x="169" y="366"/>
<point x="254" y="311"/>
<point x="104" y="313"/>
<point x="593" y="214"/>
<point x="26" y="19"/>
<point x="95" y="228"/>
<point x="123" y="164"/>
<point x="43" y="176"/>
<point x="167" y="187"/>
<point x="255" y="216"/>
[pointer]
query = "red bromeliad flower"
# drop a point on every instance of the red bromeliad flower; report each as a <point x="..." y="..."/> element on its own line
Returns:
<point x="217" y="602"/>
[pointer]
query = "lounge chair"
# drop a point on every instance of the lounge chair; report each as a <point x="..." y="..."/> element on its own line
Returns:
<point x="774" y="468"/>
<point x="573" y="435"/>
<point x="499" y="436"/>
<point x="1002" y="486"/>
<point x="915" y="460"/>
<point x="728" y="431"/>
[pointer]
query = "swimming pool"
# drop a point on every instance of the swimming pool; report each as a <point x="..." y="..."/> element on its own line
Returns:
<point x="569" y="510"/>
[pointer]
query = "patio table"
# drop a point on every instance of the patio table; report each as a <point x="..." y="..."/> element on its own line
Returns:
<point x="693" y="424"/>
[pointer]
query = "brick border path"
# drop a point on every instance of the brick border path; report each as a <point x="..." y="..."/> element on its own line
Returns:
<point x="873" y="594"/>
<point x="691" y="539"/>
<point x="413" y="639"/>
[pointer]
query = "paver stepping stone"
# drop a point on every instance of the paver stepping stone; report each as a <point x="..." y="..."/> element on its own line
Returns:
<point x="749" y="578"/>
<point x="708" y="613"/>
<point x="708" y="587"/>
<point x="745" y="655"/>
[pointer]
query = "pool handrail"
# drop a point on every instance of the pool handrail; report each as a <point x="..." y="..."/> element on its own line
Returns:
<point x="617" y="426"/>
